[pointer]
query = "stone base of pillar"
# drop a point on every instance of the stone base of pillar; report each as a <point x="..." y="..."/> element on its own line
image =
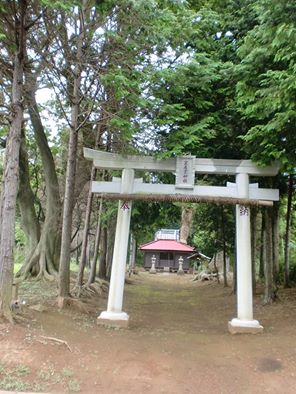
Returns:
<point x="237" y="326"/>
<point x="180" y="272"/>
<point x="152" y="271"/>
<point x="113" y="319"/>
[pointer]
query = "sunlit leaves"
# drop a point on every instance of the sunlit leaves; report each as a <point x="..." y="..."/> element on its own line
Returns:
<point x="266" y="92"/>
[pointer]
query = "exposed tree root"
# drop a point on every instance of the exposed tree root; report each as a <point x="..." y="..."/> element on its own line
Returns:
<point x="72" y="303"/>
<point x="99" y="288"/>
<point x="57" y="340"/>
<point x="6" y="315"/>
<point x="40" y="262"/>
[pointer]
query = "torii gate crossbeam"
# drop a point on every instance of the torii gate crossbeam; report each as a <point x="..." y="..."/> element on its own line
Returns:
<point x="241" y="192"/>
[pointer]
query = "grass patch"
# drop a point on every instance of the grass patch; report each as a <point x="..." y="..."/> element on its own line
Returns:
<point x="50" y="375"/>
<point x="9" y="382"/>
<point x="22" y="370"/>
<point x="65" y="378"/>
<point x="74" y="385"/>
<point x="67" y="372"/>
<point x="12" y="379"/>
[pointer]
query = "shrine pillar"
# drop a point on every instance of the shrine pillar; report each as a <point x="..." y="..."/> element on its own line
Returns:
<point x="244" y="323"/>
<point x="114" y="314"/>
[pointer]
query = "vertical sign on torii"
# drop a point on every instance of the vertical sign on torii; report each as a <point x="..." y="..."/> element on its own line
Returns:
<point x="241" y="193"/>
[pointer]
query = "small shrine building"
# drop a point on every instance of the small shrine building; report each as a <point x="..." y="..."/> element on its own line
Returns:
<point x="167" y="250"/>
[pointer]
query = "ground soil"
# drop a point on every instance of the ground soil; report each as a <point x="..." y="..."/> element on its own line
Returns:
<point x="177" y="342"/>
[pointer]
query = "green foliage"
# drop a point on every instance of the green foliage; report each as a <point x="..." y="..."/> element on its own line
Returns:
<point x="20" y="237"/>
<point x="147" y="218"/>
<point x="143" y="37"/>
<point x="207" y="123"/>
<point x="210" y="78"/>
<point x="214" y="226"/>
<point x="65" y="5"/>
<point x="266" y="90"/>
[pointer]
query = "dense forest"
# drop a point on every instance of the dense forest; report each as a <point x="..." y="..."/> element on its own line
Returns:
<point x="214" y="79"/>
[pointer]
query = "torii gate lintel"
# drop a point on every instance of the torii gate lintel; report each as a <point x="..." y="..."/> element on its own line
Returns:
<point x="241" y="193"/>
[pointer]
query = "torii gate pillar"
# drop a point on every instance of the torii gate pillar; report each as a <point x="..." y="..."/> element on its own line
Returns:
<point x="114" y="314"/>
<point x="244" y="323"/>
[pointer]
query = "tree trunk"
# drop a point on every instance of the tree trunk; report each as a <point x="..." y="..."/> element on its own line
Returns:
<point x="93" y="268"/>
<point x="110" y="248"/>
<point x="64" y="277"/>
<point x="254" y="245"/>
<point x="102" y="274"/>
<point x="83" y="256"/>
<point x="30" y="223"/>
<point x="276" y="241"/>
<point x="225" y="268"/>
<point x="287" y="233"/>
<point x="132" y="256"/>
<point x="46" y="253"/>
<point x="235" y="273"/>
<point x="269" y="289"/>
<point x="262" y="245"/>
<point x="186" y="222"/>
<point x="11" y="168"/>
<point x="216" y="268"/>
<point x="82" y="264"/>
<point x="64" y="274"/>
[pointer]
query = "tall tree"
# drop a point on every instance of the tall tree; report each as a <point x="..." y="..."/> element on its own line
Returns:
<point x="46" y="253"/>
<point x="75" y="100"/>
<point x="14" y="26"/>
<point x="267" y="82"/>
<point x="43" y="260"/>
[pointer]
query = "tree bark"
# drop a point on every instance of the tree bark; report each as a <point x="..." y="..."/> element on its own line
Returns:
<point x="235" y="273"/>
<point x="132" y="256"/>
<point x="11" y="167"/>
<point x="287" y="232"/>
<point x="82" y="263"/>
<point x="276" y="241"/>
<point x="269" y="289"/>
<point x="102" y="274"/>
<point x="186" y="222"/>
<point x="64" y="274"/>
<point x="225" y="268"/>
<point x="254" y="245"/>
<point x="84" y="245"/>
<point x="46" y="253"/>
<point x="262" y="245"/>
<point x="93" y="269"/>
<point x="110" y="248"/>
<point x="30" y="223"/>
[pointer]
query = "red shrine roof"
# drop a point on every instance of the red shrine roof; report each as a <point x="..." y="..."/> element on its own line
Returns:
<point x="168" y="245"/>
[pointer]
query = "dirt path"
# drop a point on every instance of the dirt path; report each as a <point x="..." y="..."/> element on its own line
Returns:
<point x="177" y="343"/>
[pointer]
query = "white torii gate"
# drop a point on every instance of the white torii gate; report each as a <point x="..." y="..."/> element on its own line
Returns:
<point x="128" y="188"/>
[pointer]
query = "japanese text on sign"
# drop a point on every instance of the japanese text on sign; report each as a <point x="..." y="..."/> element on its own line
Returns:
<point x="185" y="172"/>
